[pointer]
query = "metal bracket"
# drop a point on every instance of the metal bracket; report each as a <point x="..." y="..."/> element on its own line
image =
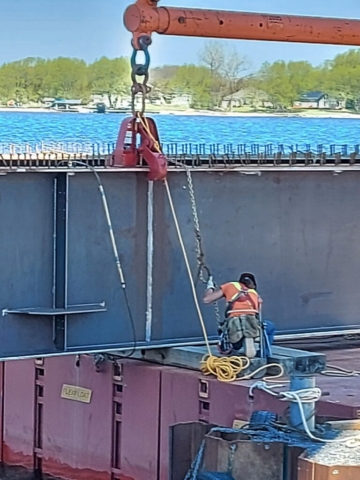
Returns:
<point x="59" y="310"/>
<point x="51" y="312"/>
<point x="59" y="316"/>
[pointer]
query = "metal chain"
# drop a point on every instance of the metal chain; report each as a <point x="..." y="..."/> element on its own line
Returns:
<point x="199" y="250"/>
<point x="217" y="313"/>
<point x="140" y="70"/>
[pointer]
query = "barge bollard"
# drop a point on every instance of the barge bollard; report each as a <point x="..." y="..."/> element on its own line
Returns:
<point x="298" y="382"/>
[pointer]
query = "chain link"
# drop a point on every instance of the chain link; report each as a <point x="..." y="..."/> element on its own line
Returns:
<point x="199" y="250"/>
<point x="140" y="70"/>
<point x="217" y="313"/>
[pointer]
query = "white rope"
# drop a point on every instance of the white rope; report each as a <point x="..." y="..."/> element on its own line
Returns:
<point x="308" y="395"/>
<point x="192" y="284"/>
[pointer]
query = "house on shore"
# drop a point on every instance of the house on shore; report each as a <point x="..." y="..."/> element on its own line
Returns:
<point x="247" y="97"/>
<point x="61" y="103"/>
<point x="319" y="100"/>
<point x="48" y="101"/>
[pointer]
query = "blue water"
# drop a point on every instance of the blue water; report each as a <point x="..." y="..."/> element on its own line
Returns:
<point x="18" y="128"/>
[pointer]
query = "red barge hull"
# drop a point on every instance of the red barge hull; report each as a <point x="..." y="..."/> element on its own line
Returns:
<point x="116" y="425"/>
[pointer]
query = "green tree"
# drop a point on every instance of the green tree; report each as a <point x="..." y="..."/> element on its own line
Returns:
<point x="343" y="76"/>
<point x="110" y="77"/>
<point x="303" y="77"/>
<point x="66" y="77"/>
<point x="275" y="81"/>
<point x="195" y="81"/>
<point x="15" y="80"/>
<point x="37" y="73"/>
<point x="32" y="79"/>
<point x="161" y="77"/>
<point x="285" y="82"/>
<point x="226" y="68"/>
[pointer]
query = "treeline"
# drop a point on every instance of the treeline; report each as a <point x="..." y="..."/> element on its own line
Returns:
<point x="285" y="82"/>
<point x="32" y="79"/>
<point x="220" y="73"/>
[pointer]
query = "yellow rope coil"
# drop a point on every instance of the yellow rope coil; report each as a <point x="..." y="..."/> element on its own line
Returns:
<point x="229" y="369"/>
<point x="225" y="369"/>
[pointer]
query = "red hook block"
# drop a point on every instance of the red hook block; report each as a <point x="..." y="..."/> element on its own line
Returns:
<point x="138" y="140"/>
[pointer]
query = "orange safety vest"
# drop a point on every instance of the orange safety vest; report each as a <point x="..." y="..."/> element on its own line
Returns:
<point x="248" y="307"/>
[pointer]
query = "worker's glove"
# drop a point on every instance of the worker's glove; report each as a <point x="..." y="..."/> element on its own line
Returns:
<point x="210" y="284"/>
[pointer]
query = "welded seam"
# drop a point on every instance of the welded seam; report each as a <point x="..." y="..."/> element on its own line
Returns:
<point x="66" y="258"/>
<point x="54" y="245"/>
<point x="150" y="260"/>
<point x="54" y="255"/>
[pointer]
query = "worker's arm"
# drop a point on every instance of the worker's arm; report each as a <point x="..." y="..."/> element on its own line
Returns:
<point x="211" y="295"/>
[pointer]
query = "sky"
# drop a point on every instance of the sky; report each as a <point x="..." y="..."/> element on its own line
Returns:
<point x="90" y="29"/>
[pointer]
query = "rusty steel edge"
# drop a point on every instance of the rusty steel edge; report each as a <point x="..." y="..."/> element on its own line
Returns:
<point x="255" y="170"/>
<point x="202" y="163"/>
<point x="199" y="342"/>
<point x="145" y="17"/>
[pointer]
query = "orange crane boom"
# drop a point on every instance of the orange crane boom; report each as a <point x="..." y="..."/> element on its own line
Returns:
<point x="145" y="17"/>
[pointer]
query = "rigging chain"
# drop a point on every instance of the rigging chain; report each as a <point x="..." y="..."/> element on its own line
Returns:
<point x="202" y="267"/>
<point x="199" y="250"/>
<point x="140" y="70"/>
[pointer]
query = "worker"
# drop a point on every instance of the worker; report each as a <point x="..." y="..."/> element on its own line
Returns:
<point x="241" y="323"/>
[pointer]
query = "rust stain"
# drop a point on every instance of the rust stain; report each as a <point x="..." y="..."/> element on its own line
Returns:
<point x="57" y="469"/>
<point x="307" y="297"/>
<point x="17" y="458"/>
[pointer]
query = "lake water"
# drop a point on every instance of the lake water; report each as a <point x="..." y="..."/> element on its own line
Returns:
<point x="21" y="128"/>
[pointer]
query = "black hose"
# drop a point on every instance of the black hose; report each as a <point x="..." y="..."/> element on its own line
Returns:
<point x="118" y="265"/>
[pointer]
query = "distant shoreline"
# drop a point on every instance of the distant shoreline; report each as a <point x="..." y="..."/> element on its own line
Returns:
<point x="261" y="114"/>
<point x="306" y="114"/>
